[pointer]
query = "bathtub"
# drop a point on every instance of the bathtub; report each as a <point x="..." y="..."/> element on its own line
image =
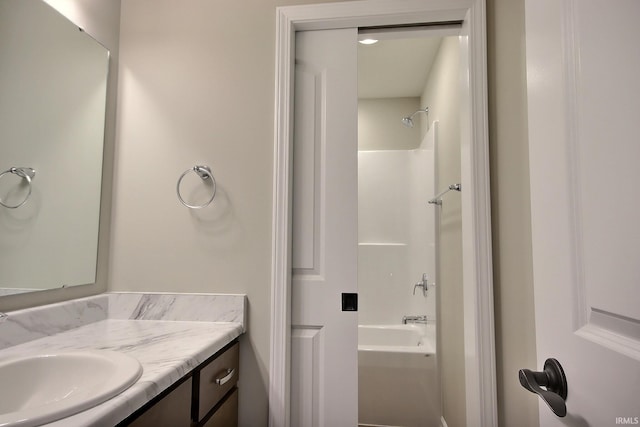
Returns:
<point x="397" y="375"/>
<point x="412" y="338"/>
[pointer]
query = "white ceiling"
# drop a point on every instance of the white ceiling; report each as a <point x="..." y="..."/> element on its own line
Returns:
<point x="395" y="68"/>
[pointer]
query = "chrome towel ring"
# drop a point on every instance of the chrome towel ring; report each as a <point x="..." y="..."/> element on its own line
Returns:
<point x="203" y="172"/>
<point x="25" y="173"/>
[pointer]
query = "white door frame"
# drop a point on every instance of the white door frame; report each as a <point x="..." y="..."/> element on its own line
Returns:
<point x="480" y="378"/>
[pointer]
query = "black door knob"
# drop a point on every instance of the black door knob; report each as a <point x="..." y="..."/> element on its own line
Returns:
<point x="553" y="380"/>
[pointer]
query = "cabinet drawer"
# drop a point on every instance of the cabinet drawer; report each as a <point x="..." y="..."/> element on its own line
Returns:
<point x="217" y="378"/>
<point x="227" y="414"/>
<point x="173" y="410"/>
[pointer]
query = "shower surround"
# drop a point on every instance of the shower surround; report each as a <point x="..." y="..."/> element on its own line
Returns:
<point x="396" y="232"/>
<point x="398" y="385"/>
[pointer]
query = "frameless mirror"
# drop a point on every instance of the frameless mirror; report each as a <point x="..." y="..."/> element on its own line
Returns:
<point x="53" y="83"/>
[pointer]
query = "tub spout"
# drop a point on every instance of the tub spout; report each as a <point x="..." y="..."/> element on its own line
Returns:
<point x="415" y="319"/>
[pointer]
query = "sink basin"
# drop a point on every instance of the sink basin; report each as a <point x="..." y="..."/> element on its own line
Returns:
<point x="39" y="389"/>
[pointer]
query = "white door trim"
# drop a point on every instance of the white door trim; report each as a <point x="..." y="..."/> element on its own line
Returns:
<point x="481" y="402"/>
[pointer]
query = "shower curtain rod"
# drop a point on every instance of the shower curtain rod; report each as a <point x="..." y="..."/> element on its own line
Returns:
<point x="438" y="201"/>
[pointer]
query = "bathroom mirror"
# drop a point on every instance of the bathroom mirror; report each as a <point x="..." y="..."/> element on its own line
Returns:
<point x="53" y="82"/>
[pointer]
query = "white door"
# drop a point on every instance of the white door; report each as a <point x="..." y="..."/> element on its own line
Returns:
<point x="583" y="78"/>
<point x="324" y="364"/>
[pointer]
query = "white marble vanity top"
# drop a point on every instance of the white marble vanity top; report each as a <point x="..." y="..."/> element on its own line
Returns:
<point x="170" y="334"/>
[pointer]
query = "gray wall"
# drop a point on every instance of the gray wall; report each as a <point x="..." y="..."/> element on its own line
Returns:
<point x="197" y="87"/>
<point x="211" y="100"/>
<point x="511" y="221"/>
<point x="442" y="96"/>
<point x="380" y="126"/>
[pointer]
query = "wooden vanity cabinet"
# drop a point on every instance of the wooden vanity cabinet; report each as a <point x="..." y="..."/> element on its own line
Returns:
<point x="226" y="415"/>
<point x="215" y="381"/>
<point x="207" y="397"/>
<point x="174" y="409"/>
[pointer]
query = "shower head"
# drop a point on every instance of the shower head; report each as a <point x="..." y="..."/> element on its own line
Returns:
<point x="408" y="120"/>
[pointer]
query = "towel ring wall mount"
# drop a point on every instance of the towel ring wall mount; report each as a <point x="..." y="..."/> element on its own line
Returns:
<point x="25" y="173"/>
<point x="203" y="172"/>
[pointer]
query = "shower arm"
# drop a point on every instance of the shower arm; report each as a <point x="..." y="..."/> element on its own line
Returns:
<point x="408" y="120"/>
<point x="423" y="110"/>
<point x="436" y="199"/>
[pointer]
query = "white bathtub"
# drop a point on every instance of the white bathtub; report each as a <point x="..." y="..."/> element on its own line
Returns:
<point x="397" y="374"/>
<point x="412" y="338"/>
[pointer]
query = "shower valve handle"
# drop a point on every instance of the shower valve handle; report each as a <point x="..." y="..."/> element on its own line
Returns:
<point x="424" y="284"/>
<point x="425" y="279"/>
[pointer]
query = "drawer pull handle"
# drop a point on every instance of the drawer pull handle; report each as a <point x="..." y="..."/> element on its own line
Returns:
<point x="228" y="375"/>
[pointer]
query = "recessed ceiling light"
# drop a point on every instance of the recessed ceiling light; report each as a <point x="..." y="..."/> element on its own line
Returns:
<point x="368" y="41"/>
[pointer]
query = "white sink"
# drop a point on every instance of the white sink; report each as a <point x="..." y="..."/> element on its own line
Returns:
<point x="39" y="389"/>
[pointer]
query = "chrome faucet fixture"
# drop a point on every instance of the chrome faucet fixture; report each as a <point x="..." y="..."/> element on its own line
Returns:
<point x="423" y="283"/>
<point x="415" y="319"/>
<point x="3" y="317"/>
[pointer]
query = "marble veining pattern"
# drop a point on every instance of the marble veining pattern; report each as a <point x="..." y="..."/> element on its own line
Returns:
<point x="192" y="307"/>
<point x="25" y="325"/>
<point x="170" y="334"/>
<point x="167" y="351"/>
<point x="33" y="323"/>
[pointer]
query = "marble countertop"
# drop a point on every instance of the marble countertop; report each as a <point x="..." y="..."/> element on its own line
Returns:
<point x="138" y="326"/>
